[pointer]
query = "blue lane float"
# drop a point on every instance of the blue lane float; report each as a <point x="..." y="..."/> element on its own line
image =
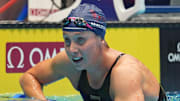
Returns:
<point x="22" y="96"/>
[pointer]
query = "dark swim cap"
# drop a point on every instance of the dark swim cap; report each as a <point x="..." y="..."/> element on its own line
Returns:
<point x="92" y="15"/>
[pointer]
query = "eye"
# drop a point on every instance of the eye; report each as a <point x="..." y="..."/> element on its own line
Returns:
<point x="81" y="40"/>
<point x="67" y="42"/>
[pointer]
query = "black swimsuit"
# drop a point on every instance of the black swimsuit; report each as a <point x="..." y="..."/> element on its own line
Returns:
<point x="90" y="94"/>
<point x="162" y="94"/>
<point x="102" y="94"/>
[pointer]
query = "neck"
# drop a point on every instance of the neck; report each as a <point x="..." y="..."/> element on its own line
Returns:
<point x="97" y="73"/>
<point x="102" y="65"/>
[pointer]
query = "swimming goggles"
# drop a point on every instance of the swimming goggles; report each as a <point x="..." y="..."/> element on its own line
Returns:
<point x="79" y="22"/>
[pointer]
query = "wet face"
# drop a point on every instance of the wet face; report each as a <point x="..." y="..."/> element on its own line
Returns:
<point x="82" y="48"/>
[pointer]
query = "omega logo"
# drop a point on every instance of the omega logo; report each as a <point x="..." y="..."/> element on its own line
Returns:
<point x="43" y="56"/>
<point x="20" y="65"/>
<point x="178" y="47"/>
<point x="174" y="56"/>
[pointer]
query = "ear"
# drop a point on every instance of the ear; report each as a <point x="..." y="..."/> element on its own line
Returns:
<point x="103" y="41"/>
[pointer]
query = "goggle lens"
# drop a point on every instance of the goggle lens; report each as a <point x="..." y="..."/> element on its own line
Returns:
<point x="80" y="22"/>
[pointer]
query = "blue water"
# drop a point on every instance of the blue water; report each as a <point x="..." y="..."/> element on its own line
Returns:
<point x="11" y="97"/>
<point x="172" y="96"/>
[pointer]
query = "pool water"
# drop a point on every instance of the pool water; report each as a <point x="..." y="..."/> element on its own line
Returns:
<point x="172" y="96"/>
<point x="66" y="98"/>
<point x="10" y="97"/>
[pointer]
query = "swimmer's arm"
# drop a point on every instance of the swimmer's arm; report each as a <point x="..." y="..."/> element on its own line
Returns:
<point x="43" y="73"/>
<point x="126" y="85"/>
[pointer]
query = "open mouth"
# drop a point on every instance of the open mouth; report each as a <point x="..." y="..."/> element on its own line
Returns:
<point x="77" y="59"/>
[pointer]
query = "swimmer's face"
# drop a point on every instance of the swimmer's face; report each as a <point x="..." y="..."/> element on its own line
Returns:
<point x="82" y="48"/>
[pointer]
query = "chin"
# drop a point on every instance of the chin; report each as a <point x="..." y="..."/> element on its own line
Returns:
<point x="80" y="68"/>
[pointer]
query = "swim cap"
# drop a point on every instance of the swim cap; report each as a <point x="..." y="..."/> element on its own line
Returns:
<point x="92" y="15"/>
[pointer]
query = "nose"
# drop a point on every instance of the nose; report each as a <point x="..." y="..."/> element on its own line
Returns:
<point x="73" y="49"/>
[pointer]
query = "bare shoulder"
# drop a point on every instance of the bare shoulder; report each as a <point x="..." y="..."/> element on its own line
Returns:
<point x="63" y="66"/>
<point x="127" y="64"/>
<point x="60" y="60"/>
<point x="130" y="76"/>
<point x="126" y="76"/>
<point x="54" y="69"/>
